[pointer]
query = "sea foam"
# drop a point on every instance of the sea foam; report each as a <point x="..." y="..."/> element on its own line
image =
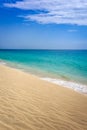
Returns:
<point x="2" y="62"/>
<point x="75" y="86"/>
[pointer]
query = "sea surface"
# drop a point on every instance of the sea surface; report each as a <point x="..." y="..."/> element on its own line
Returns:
<point x="63" y="67"/>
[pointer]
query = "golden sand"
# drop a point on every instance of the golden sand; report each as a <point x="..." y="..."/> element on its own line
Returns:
<point x="28" y="103"/>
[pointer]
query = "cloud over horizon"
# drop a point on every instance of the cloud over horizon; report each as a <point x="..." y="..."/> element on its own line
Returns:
<point x="54" y="11"/>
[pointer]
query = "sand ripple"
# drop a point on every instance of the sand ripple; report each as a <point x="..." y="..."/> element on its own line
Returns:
<point x="27" y="103"/>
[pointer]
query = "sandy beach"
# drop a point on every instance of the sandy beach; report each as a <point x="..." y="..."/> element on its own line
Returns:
<point x="28" y="103"/>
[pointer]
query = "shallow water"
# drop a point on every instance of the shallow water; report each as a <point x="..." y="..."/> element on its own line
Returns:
<point x="67" y="65"/>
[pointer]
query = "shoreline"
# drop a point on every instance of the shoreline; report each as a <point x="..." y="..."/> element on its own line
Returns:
<point x="76" y="86"/>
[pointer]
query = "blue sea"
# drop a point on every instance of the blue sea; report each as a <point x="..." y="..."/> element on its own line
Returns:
<point x="63" y="67"/>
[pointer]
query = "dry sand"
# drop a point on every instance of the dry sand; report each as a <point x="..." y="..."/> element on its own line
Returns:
<point x="28" y="103"/>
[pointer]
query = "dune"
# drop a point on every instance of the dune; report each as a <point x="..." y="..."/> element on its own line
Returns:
<point x="29" y="103"/>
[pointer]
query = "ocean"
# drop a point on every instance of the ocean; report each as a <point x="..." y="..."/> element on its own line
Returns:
<point x="63" y="67"/>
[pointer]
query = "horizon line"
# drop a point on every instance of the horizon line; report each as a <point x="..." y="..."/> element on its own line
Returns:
<point x="42" y="49"/>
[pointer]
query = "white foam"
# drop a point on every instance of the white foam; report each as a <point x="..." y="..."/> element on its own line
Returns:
<point x="75" y="86"/>
<point x="2" y="62"/>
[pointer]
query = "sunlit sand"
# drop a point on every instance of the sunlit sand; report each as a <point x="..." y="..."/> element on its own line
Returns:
<point x="28" y="103"/>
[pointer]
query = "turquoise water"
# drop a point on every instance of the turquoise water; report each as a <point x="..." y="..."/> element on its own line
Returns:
<point x="70" y="65"/>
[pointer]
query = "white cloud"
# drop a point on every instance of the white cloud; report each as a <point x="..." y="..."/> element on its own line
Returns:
<point x="57" y="11"/>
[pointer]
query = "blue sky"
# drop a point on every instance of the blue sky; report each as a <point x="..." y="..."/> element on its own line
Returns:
<point x="43" y="24"/>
